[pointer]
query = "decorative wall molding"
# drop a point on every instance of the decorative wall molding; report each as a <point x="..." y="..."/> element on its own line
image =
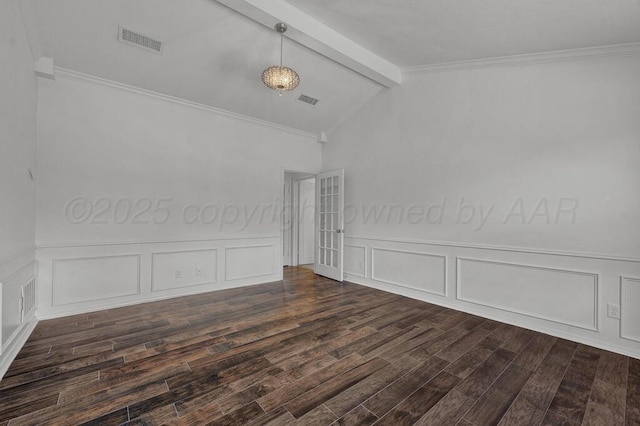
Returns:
<point x="157" y="254"/>
<point x="593" y="326"/>
<point x="629" y="308"/>
<point x="67" y="73"/>
<point x="364" y="259"/>
<point x="260" y="273"/>
<point x="11" y="350"/>
<point x="590" y="338"/>
<point x="389" y="281"/>
<point x="145" y="242"/>
<point x="513" y="249"/>
<point x="55" y="289"/>
<point x="617" y="51"/>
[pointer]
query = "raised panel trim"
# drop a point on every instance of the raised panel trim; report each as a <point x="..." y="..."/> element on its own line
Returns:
<point x="205" y="282"/>
<point x="595" y="277"/>
<point x="366" y="261"/>
<point x="67" y="259"/>
<point x="444" y="272"/>
<point x="244" y="277"/>
<point x="75" y="244"/>
<point x="624" y="283"/>
<point x="510" y="249"/>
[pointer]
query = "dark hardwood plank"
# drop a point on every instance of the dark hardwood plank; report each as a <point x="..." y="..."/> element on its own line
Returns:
<point x="572" y="396"/>
<point x="421" y="401"/>
<point x="474" y="357"/>
<point x="494" y="403"/>
<point x="632" y="414"/>
<point x="476" y="383"/>
<point x="448" y="411"/>
<point x="327" y="390"/>
<point x="359" y="416"/>
<point x="387" y="398"/>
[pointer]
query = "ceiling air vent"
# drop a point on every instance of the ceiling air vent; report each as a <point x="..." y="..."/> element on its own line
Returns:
<point x="125" y="35"/>
<point x="308" y="100"/>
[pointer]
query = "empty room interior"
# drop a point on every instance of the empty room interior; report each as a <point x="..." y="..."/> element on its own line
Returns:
<point x="320" y="212"/>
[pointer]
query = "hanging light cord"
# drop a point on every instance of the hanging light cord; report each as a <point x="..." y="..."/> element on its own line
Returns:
<point x="281" y="47"/>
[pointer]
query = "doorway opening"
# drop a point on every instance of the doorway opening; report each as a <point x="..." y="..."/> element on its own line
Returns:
<point x="298" y="219"/>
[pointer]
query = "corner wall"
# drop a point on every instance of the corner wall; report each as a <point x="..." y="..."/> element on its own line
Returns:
<point x="18" y="101"/>
<point x="507" y="190"/>
<point x="142" y="196"/>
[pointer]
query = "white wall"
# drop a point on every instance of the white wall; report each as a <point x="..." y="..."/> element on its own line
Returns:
<point x="137" y="186"/>
<point x="17" y="155"/>
<point x="485" y="172"/>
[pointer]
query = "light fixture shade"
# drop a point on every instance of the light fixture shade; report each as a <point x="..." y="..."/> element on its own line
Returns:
<point x="280" y="78"/>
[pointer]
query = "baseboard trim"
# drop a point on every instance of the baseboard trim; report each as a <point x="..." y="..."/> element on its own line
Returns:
<point x="441" y="301"/>
<point x="15" y="344"/>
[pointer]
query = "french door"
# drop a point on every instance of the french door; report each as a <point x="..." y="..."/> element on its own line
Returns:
<point x="330" y="224"/>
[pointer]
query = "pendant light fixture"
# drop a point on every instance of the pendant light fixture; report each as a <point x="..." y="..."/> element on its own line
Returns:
<point x="280" y="78"/>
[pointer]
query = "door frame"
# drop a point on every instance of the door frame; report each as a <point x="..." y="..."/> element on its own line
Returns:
<point x="302" y="174"/>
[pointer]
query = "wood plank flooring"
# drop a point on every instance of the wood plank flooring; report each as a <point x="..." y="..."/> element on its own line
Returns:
<point x="310" y="351"/>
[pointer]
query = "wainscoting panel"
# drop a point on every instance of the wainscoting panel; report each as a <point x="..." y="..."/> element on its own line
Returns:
<point x="78" y="278"/>
<point x="564" y="296"/>
<point x="95" y="278"/>
<point x="249" y="262"/>
<point x="187" y="268"/>
<point x="629" y="308"/>
<point x="561" y="294"/>
<point x="355" y="260"/>
<point x="415" y="270"/>
<point x="17" y="318"/>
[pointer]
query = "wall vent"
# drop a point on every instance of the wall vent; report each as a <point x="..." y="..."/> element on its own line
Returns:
<point x="308" y="100"/>
<point x="125" y="35"/>
<point x="28" y="298"/>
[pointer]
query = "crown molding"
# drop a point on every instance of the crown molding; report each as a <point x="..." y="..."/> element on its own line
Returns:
<point x="64" y="72"/>
<point x="615" y="51"/>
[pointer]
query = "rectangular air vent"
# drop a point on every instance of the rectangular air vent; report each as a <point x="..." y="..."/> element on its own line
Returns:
<point x="308" y="100"/>
<point x="125" y="35"/>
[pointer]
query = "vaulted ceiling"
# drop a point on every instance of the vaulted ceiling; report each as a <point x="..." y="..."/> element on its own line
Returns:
<point x="345" y="51"/>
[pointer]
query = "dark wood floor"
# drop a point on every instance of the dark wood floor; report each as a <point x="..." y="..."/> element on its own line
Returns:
<point x="310" y="351"/>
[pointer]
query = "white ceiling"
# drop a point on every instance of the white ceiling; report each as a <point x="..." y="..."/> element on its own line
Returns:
<point x="419" y="32"/>
<point x="214" y="55"/>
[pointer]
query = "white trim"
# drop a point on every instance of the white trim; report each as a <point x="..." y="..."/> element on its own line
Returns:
<point x="244" y="277"/>
<point x="501" y="248"/>
<point x="17" y="342"/>
<point x="624" y="282"/>
<point x="595" y="277"/>
<point x="124" y="243"/>
<point x="366" y="260"/>
<point x="114" y="84"/>
<point x="444" y="279"/>
<point x="470" y="309"/>
<point x="155" y="253"/>
<point x="71" y="259"/>
<point x="615" y="51"/>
